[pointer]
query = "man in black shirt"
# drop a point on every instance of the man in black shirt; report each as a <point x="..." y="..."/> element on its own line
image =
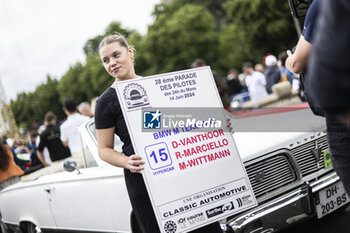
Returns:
<point x="50" y="138"/>
<point x="233" y="83"/>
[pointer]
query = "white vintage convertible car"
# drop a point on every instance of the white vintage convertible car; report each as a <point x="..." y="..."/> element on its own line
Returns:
<point x="284" y="150"/>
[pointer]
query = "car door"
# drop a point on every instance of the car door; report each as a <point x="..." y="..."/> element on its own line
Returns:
<point x="78" y="201"/>
<point x="117" y="197"/>
<point x="28" y="201"/>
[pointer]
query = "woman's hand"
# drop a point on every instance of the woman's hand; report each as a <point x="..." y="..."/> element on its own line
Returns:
<point x="135" y="163"/>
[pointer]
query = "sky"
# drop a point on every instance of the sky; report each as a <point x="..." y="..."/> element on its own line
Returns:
<point x="44" y="37"/>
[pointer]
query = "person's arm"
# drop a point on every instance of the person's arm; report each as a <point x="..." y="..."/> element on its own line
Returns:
<point x="63" y="136"/>
<point x="42" y="145"/>
<point x="65" y="143"/>
<point x="297" y="61"/>
<point x="105" y="139"/>
<point x="41" y="158"/>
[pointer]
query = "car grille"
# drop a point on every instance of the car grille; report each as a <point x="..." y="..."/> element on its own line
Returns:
<point x="275" y="172"/>
<point x="305" y="158"/>
<point x="271" y="174"/>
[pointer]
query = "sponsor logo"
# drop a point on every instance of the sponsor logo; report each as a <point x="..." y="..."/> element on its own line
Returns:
<point x="195" y="219"/>
<point x="219" y="209"/>
<point x="260" y="176"/>
<point x="191" y="220"/>
<point x="245" y="200"/>
<point x="135" y="96"/>
<point x="152" y="119"/>
<point x="317" y="151"/>
<point x="170" y="227"/>
<point x="192" y="122"/>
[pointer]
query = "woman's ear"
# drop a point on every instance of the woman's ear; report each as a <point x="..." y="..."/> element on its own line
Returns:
<point x="131" y="53"/>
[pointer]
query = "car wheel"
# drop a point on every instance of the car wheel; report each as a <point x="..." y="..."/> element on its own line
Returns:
<point x="134" y="225"/>
<point x="32" y="228"/>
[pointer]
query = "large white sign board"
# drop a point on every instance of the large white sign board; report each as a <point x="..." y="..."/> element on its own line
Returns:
<point x="193" y="177"/>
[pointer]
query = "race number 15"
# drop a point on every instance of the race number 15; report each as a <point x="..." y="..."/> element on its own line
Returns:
<point x="158" y="155"/>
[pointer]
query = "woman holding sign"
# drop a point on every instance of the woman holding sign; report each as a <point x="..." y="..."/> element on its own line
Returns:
<point x="118" y="59"/>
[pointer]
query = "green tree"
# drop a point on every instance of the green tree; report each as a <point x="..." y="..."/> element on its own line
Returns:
<point x="139" y="43"/>
<point x="215" y="7"/>
<point x="32" y="107"/>
<point x="22" y="109"/>
<point x="173" y="42"/>
<point x="94" y="79"/>
<point x="47" y="99"/>
<point x="257" y="27"/>
<point x="91" y="46"/>
<point x="69" y="86"/>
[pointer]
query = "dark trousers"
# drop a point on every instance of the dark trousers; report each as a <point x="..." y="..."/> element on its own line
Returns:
<point x="338" y="136"/>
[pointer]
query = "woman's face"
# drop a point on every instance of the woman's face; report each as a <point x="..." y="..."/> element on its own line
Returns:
<point x="117" y="61"/>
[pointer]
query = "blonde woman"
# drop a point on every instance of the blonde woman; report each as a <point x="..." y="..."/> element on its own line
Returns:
<point x="118" y="59"/>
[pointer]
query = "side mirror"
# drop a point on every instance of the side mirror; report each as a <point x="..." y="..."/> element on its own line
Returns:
<point x="299" y="7"/>
<point x="70" y="165"/>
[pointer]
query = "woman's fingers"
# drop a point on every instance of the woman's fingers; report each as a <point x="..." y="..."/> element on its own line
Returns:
<point x="135" y="163"/>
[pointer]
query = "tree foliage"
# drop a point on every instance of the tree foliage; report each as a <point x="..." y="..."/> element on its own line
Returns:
<point x="32" y="107"/>
<point x="174" y="41"/>
<point x="91" y="46"/>
<point x="214" y="7"/>
<point x="257" y="27"/>
<point x="225" y="33"/>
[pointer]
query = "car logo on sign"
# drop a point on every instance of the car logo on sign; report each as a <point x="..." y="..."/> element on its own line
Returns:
<point x="135" y="96"/>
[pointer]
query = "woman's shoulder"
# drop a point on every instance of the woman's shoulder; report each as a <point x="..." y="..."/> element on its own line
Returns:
<point x="109" y="95"/>
<point x="107" y="103"/>
<point x="106" y="109"/>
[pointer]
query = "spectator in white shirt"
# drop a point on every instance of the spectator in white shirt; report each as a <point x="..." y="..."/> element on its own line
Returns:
<point x="69" y="129"/>
<point x="255" y="82"/>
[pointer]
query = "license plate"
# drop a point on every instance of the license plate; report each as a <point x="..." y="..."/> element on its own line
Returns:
<point x="331" y="199"/>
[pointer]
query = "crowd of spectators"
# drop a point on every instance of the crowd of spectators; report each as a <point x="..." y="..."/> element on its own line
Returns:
<point x="256" y="80"/>
<point x="49" y="142"/>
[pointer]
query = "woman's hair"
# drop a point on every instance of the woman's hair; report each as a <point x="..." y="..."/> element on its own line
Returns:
<point x="4" y="158"/>
<point x="116" y="37"/>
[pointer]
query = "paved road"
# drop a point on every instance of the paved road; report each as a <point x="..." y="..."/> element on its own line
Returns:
<point x="334" y="223"/>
